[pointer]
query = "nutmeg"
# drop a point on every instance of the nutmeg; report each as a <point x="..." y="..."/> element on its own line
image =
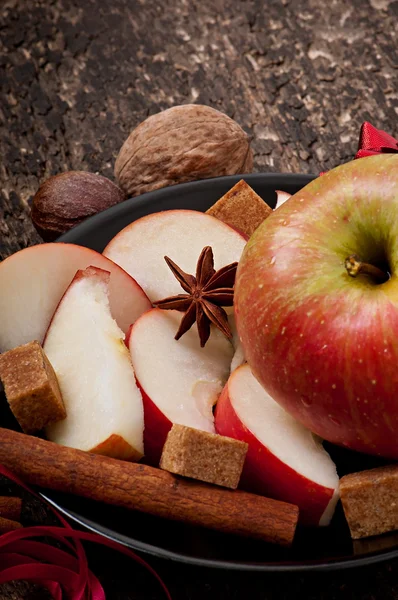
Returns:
<point x="65" y="200"/>
<point x="183" y="143"/>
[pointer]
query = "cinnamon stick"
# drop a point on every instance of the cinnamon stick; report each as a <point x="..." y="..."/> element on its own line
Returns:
<point x="10" y="508"/>
<point x="7" y="525"/>
<point x="140" y="487"/>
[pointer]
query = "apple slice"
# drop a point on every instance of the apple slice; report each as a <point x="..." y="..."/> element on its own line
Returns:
<point x="239" y="354"/>
<point x="33" y="281"/>
<point x="86" y="348"/>
<point x="140" y="247"/>
<point x="285" y="460"/>
<point x="281" y="198"/>
<point x="179" y="381"/>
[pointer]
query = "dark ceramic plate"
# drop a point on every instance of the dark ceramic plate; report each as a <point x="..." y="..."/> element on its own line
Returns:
<point x="313" y="549"/>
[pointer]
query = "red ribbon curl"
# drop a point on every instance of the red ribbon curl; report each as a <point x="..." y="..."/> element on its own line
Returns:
<point x="64" y="573"/>
<point x="375" y="141"/>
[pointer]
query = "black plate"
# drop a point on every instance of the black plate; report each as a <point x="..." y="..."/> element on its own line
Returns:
<point x="313" y="549"/>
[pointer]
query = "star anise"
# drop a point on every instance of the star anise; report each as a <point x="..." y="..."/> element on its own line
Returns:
<point x="206" y="294"/>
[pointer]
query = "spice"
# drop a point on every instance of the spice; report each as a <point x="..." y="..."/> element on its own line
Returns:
<point x="206" y="294"/>
<point x="147" y="489"/>
<point x="7" y="525"/>
<point x="10" y="508"/>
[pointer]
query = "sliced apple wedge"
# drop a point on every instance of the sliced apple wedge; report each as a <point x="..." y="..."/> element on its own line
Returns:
<point x="285" y="460"/>
<point x="281" y="198"/>
<point x="179" y="381"/>
<point x="239" y="357"/>
<point x="93" y="366"/>
<point x="181" y="235"/>
<point x="32" y="282"/>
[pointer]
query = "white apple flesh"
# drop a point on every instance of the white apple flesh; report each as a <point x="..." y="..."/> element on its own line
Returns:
<point x="181" y="235"/>
<point x="96" y="378"/>
<point x="32" y="282"/>
<point x="281" y="198"/>
<point x="285" y="460"/>
<point x="180" y="381"/>
<point x="239" y="354"/>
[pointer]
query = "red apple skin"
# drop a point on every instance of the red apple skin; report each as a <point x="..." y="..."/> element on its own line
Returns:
<point x="115" y="446"/>
<point x="263" y="473"/>
<point x="324" y="344"/>
<point x="156" y="424"/>
<point x="124" y="290"/>
<point x="128" y="334"/>
<point x="156" y="428"/>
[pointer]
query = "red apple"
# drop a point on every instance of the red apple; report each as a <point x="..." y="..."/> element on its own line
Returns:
<point x="140" y="247"/>
<point x="181" y="234"/>
<point x="323" y="342"/>
<point x="104" y="411"/>
<point x="179" y="381"/>
<point x="284" y="460"/>
<point x="33" y="281"/>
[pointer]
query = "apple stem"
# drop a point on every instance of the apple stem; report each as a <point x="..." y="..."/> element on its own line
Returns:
<point x="355" y="266"/>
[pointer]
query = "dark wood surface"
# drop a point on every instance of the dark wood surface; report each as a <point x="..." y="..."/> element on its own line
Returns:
<point x="300" y="76"/>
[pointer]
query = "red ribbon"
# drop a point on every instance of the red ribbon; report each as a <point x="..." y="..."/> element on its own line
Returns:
<point x="60" y="571"/>
<point x="375" y="141"/>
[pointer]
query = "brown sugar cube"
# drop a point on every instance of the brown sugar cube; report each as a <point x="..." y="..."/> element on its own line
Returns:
<point x="31" y="387"/>
<point x="370" y="501"/>
<point x="7" y="525"/>
<point x="10" y="508"/>
<point x="205" y="456"/>
<point x="241" y="208"/>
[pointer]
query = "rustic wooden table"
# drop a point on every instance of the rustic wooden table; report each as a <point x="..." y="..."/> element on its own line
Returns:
<point x="299" y="75"/>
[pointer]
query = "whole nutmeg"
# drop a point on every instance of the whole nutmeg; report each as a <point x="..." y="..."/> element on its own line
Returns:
<point x="183" y="143"/>
<point x="65" y="200"/>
